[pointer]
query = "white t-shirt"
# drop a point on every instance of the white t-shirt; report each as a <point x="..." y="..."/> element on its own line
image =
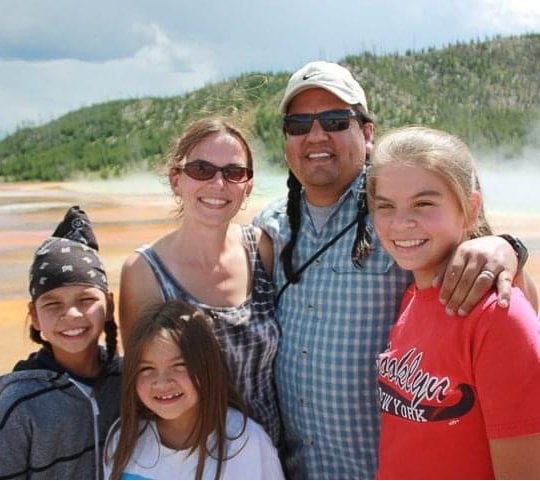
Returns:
<point x="252" y="456"/>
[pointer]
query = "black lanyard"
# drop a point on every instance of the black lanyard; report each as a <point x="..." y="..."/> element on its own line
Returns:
<point x="325" y="247"/>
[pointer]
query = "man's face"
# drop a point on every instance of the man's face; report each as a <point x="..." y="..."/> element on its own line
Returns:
<point x="326" y="162"/>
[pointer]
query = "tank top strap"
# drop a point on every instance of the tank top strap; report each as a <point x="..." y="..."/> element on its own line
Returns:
<point x="250" y="243"/>
<point x="167" y="283"/>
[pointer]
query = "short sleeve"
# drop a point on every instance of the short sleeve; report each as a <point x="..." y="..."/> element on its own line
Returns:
<point x="507" y="368"/>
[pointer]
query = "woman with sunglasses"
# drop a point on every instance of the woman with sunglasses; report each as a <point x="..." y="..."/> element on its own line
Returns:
<point x="212" y="263"/>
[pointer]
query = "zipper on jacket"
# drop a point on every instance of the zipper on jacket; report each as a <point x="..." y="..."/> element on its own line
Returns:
<point x="95" y="412"/>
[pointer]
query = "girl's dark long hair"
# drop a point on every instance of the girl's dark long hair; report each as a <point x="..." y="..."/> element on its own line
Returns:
<point x="207" y="368"/>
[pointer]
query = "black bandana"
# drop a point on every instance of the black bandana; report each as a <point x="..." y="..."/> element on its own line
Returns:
<point x="70" y="257"/>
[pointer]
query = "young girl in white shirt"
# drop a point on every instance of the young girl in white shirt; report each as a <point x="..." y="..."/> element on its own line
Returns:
<point x="181" y="417"/>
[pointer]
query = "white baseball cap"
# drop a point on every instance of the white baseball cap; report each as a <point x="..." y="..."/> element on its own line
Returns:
<point x="325" y="75"/>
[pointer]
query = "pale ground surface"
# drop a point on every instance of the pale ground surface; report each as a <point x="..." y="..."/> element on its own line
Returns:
<point x="122" y="222"/>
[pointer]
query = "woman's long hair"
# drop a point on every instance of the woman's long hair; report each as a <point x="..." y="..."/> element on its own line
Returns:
<point x="207" y="368"/>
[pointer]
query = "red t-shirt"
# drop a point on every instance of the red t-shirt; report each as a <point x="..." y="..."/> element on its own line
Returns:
<point x="448" y="384"/>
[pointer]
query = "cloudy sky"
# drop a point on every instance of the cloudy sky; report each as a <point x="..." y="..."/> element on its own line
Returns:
<point x="60" y="55"/>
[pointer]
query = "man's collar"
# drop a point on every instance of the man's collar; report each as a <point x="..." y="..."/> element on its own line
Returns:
<point x="354" y="188"/>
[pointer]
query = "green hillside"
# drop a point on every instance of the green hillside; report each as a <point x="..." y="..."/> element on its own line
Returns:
<point x="487" y="92"/>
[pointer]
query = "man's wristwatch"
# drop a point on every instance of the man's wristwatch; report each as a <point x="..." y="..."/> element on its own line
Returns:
<point x="519" y="248"/>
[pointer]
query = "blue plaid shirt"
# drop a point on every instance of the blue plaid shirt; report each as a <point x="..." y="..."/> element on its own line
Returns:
<point x="334" y="322"/>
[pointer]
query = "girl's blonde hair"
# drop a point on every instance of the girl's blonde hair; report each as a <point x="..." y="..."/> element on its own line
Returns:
<point x="439" y="152"/>
<point x="207" y="368"/>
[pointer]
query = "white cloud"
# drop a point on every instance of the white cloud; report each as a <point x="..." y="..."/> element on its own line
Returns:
<point x="510" y="15"/>
<point x="36" y="92"/>
<point x="57" y="55"/>
<point x="164" y="54"/>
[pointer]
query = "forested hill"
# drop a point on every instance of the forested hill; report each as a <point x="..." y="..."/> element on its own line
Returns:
<point x="488" y="92"/>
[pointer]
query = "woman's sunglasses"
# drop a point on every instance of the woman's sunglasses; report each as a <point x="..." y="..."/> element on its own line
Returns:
<point x="330" y="120"/>
<point x="204" y="170"/>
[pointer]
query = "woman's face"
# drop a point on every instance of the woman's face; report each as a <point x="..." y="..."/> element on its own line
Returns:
<point x="216" y="200"/>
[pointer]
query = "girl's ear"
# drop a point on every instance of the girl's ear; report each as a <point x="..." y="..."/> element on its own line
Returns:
<point x="475" y="201"/>
<point x="33" y="316"/>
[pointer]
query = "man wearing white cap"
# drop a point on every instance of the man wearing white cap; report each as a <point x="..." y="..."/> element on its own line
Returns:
<point x="337" y="290"/>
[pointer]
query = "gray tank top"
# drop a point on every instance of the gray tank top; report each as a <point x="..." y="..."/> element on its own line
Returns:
<point x="248" y="333"/>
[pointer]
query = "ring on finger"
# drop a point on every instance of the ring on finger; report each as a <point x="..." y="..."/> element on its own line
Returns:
<point x="487" y="273"/>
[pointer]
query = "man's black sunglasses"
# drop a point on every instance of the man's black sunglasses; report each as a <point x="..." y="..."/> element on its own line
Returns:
<point x="204" y="170"/>
<point x="330" y="120"/>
